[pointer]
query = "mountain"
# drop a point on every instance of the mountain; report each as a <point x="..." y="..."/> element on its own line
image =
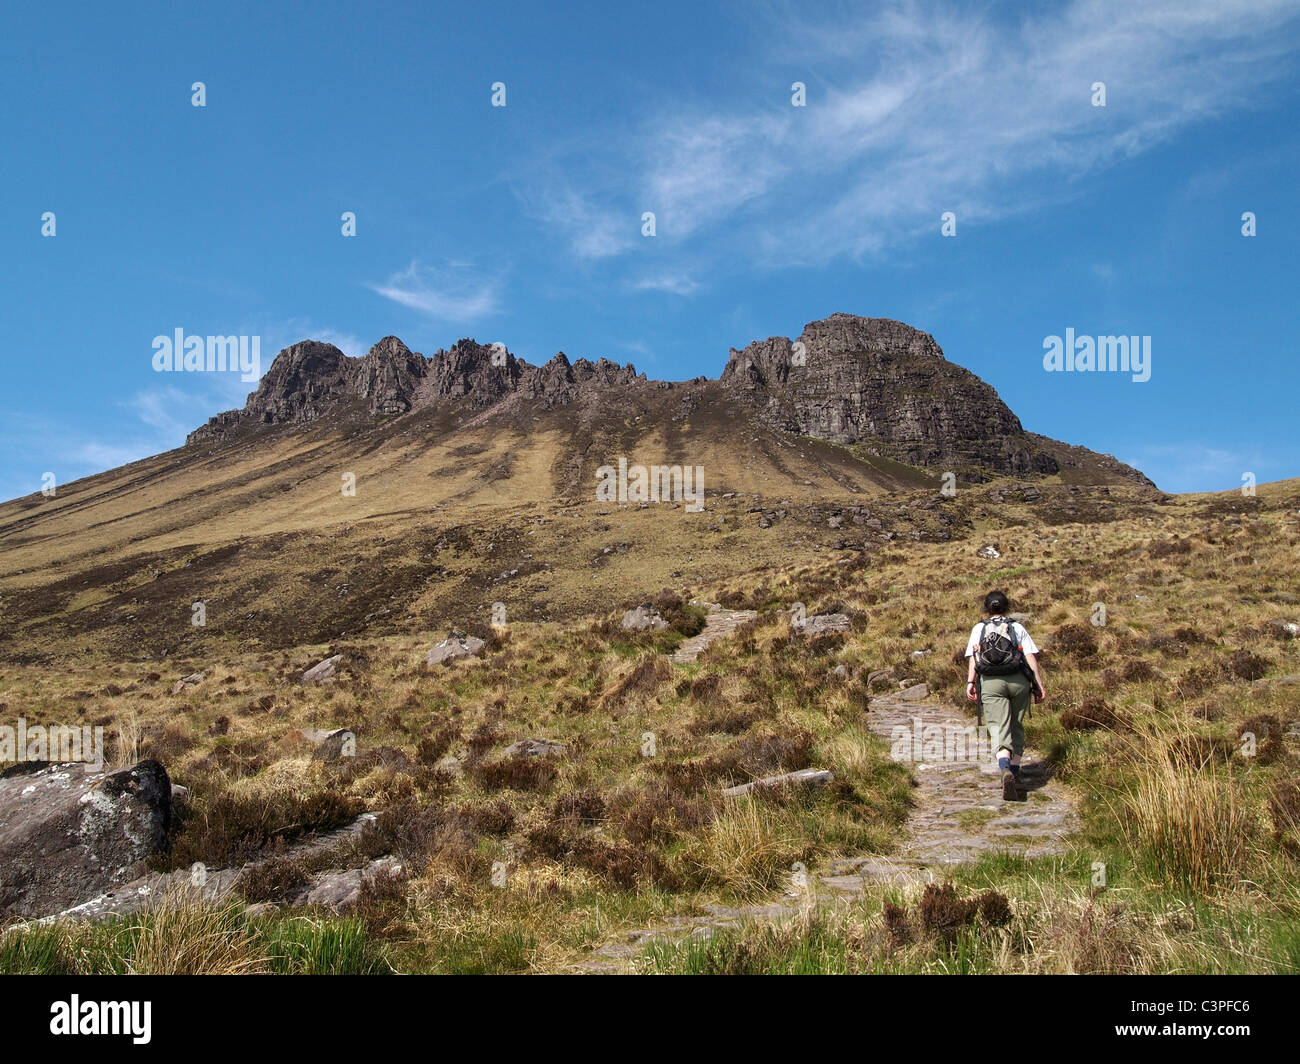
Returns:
<point x="400" y="491"/>
<point x="873" y="383"/>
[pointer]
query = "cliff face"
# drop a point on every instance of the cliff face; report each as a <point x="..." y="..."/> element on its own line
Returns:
<point x="887" y="387"/>
<point x="389" y="376"/>
<point x="877" y="384"/>
<point x="302" y="384"/>
<point x="311" y="380"/>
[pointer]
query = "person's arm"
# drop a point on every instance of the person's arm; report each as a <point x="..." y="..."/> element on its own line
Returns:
<point x="1032" y="661"/>
<point x="972" y="688"/>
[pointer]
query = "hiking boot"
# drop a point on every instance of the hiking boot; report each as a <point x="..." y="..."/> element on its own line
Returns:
<point x="1010" y="787"/>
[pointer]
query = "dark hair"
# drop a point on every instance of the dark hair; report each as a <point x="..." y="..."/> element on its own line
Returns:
<point x="996" y="603"/>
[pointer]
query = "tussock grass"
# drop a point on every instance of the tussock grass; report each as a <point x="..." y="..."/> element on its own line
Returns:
<point x="184" y="935"/>
<point x="1143" y="720"/>
<point x="1185" y="811"/>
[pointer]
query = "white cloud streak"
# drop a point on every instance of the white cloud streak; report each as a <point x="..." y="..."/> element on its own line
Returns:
<point x="916" y="109"/>
<point x="454" y="293"/>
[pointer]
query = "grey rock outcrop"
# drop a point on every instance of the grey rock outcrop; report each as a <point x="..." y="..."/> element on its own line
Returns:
<point x="534" y="748"/>
<point x="328" y="744"/>
<point x="389" y="376"/>
<point x="886" y="386"/>
<point x="303" y="383"/>
<point x="805" y="777"/>
<point x="456" y="645"/>
<point x="341" y="890"/>
<point x="310" y="379"/>
<point x="186" y="682"/>
<point x="825" y="624"/>
<point x="322" y="670"/>
<point x="643" y="618"/>
<point x="67" y="835"/>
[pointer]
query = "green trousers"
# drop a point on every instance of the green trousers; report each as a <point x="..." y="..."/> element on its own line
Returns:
<point x="1005" y="700"/>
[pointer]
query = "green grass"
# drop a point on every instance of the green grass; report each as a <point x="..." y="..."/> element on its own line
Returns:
<point x="303" y="946"/>
<point x="289" y="945"/>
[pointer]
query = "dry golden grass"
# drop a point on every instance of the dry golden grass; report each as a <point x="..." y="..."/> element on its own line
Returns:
<point x="1177" y="621"/>
<point x="1184" y="808"/>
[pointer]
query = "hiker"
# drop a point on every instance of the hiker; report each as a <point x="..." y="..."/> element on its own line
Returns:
<point x="1002" y="676"/>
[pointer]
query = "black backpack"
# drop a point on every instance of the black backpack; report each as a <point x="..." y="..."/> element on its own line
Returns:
<point x="999" y="651"/>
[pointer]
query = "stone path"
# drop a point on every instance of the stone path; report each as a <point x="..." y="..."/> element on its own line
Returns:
<point x="958" y="815"/>
<point x="718" y="623"/>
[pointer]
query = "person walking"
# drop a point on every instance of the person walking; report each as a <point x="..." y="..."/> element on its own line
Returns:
<point x="1002" y="675"/>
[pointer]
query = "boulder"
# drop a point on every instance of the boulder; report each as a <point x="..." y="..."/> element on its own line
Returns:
<point x="643" y="618"/>
<point x="1284" y="629"/>
<point x="322" y="670"/>
<point x="534" y="748"/>
<point x="456" y="645"/>
<point x="67" y="835"/>
<point x="915" y="693"/>
<point x="186" y="682"/>
<point x="825" y="624"/>
<point x="989" y="550"/>
<point x="341" y="890"/>
<point x="805" y="777"/>
<point x="329" y="744"/>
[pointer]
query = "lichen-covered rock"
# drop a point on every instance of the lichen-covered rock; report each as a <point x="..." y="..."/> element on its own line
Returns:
<point x="456" y="645"/>
<point x="643" y="618"/>
<point x="67" y="835"/>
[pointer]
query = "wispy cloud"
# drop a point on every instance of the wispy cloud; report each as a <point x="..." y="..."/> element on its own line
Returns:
<point x="914" y="109"/>
<point x="591" y="232"/>
<point x="454" y="293"/>
<point x="164" y="409"/>
<point x="678" y="284"/>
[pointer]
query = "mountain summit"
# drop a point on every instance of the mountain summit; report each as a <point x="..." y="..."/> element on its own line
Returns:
<point x="400" y="492"/>
<point x="875" y="384"/>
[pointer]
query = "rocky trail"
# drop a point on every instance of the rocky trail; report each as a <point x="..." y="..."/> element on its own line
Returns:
<point x="719" y="623"/>
<point x="958" y="815"/>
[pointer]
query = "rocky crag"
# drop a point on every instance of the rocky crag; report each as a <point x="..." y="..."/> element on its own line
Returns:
<point x="874" y="384"/>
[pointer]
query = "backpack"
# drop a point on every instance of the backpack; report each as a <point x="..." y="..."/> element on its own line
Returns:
<point x="999" y="652"/>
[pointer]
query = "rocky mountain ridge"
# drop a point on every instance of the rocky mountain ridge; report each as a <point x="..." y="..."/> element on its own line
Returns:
<point x="871" y="383"/>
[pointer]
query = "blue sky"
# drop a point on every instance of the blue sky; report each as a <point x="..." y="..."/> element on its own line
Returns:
<point x="522" y="223"/>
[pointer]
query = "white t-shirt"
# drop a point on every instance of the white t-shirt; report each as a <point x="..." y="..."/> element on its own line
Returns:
<point x="1027" y="643"/>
